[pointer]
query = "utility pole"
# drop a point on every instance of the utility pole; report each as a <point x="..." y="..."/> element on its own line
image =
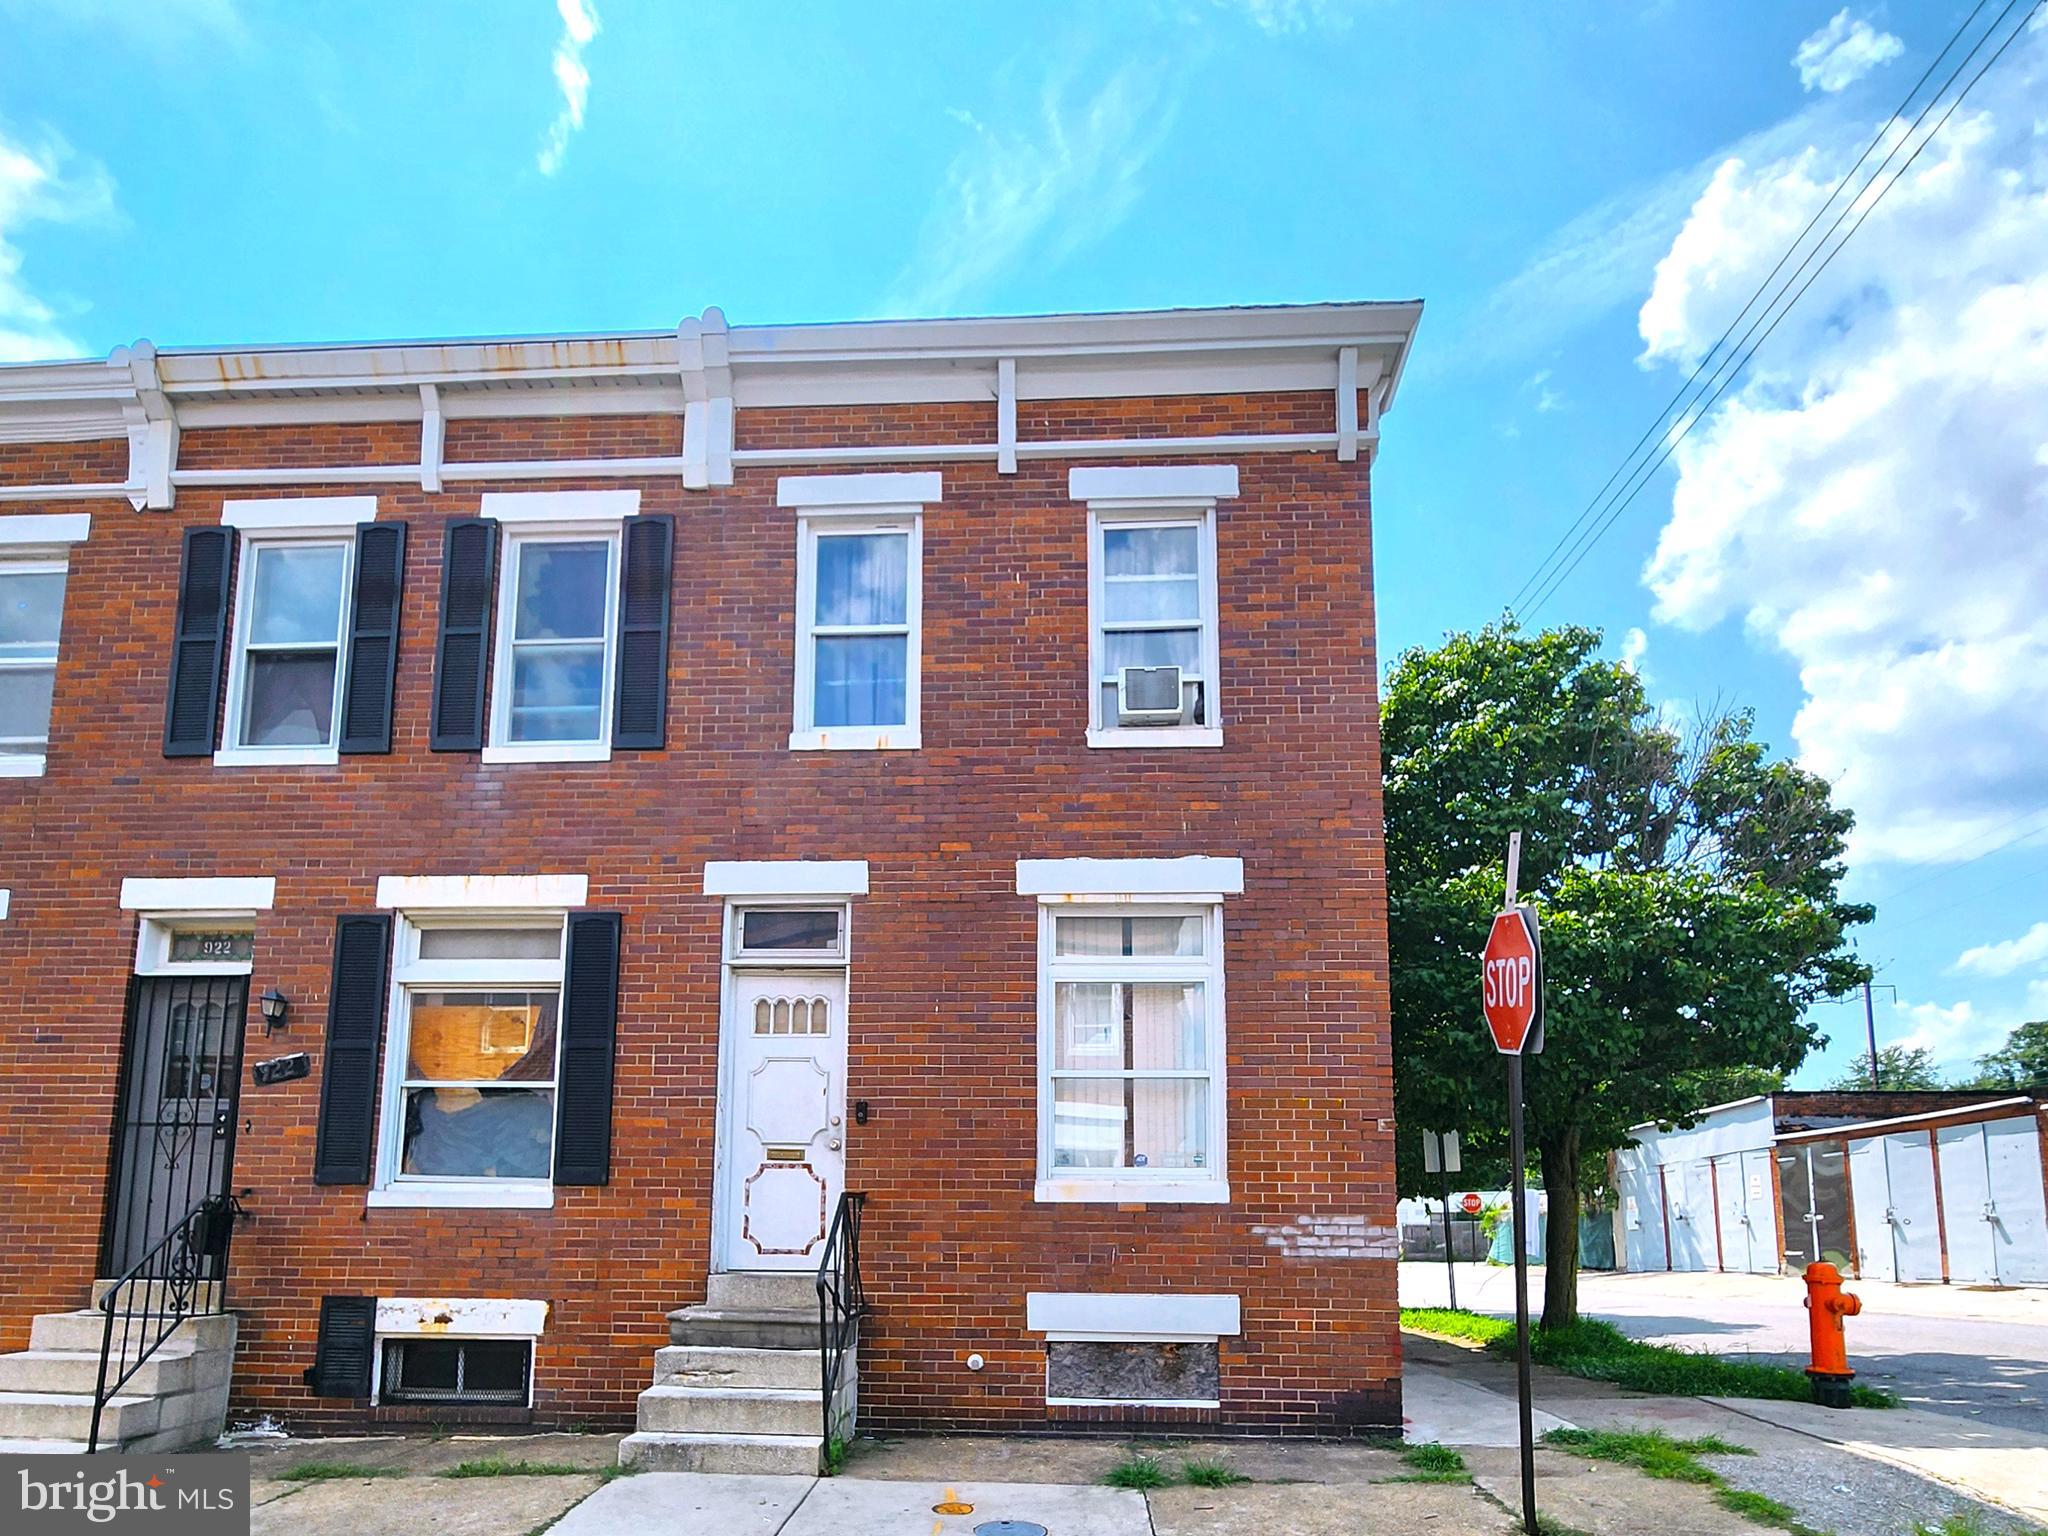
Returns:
<point x="1870" y="1030"/>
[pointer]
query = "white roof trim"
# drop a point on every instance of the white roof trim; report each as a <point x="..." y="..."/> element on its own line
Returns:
<point x="909" y="489"/>
<point x="303" y="512"/>
<point x="786" y="877"/>
<point x="1130" y="1315"/>
<point x="559" y="506"/>
<point x="461" y="1316"/>
<point x="1857" y="1130"/>
<point x="38" y="528"/>
<point x="1129" y="877"/>
<point x="201" y="893"/>
<point x="1153" y="482"/>
<point x="419" y="893"/>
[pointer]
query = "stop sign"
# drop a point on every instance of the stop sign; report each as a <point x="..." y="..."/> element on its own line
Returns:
<point x="1511" y="985"/>
<point x="1472" y="1204"/>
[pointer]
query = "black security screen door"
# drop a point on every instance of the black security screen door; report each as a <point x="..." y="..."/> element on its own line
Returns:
<point x="174" y="1128"/>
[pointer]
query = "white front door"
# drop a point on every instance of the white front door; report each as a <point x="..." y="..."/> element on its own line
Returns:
<point x="781" y="1118"/>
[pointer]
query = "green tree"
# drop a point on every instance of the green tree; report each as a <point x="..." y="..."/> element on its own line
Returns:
<point x="2022" y="1062"/>
<point x="1687" y="888"/>
<point x="1898" y="1071"/>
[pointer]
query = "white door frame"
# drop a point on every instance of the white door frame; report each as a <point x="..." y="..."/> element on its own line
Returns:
<point x="734" y="962"/>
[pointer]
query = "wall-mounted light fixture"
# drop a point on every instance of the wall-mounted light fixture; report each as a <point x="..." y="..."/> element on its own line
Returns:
<point x="275" y="1006"/>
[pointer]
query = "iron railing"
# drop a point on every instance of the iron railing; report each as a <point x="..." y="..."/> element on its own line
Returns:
<point x="842" y="1303"/>
<point x="184" y="1275"/>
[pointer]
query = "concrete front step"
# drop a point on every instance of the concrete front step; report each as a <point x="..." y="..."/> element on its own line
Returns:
<point x="68" y="1416"/>
<point x="147" y="1296"/>
<point x="763" y="1291"/>
<point x="708" y="1365"/>
<point x="755" y="1455"/>
<point x="729" y="1410"/>
<point x="743" y="1328"/>
<point x="174" y="1367"/>
<point x="84" y="1330"/>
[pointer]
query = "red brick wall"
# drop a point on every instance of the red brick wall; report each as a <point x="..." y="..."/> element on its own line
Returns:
<point x="102" y="461"/>
<point x="943" y="972"/>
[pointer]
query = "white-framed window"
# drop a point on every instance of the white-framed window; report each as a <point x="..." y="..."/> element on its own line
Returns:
<point x="551" y="692"/>
<point x="1130" y="1052"/>
<point x="788" y="932"/>
<point x="472" y="1061"/>
<point x="456" y="1351"/>
<point x="859" y="609"/>
<point x="290" y="634"/>
<point x="31" y="619"/>
<point x="1152" y="604"/>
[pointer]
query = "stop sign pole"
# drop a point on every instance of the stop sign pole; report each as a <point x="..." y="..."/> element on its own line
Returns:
<point x="1511" y="993"/>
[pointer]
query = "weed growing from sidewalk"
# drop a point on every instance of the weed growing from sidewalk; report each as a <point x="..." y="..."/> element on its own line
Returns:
<point x="497" y="1466"/>
<point x="1139" y="1472"/>
<point x="1210" y="1474"/>
<point x="1601" y="1352"/>
<point x="1659" y="1455"/>
<point x="1433" y="1464"/>
<point x="333" y="1471"/>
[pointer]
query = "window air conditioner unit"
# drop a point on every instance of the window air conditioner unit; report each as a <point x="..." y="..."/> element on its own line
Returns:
<point x="1150" y="696"/>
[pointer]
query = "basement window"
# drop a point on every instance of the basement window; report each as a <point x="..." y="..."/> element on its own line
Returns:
<point x="467" y="1371"/>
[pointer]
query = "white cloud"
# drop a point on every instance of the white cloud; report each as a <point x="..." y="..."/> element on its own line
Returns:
<point x="160" y="26"/>
<point x="2037" y="998"/>
<point x="1548" y="399"/>
<point x="41" y="183"/>
<point x="1956" y="1034"/>
<point x="1279" y="18"/>
<point x="1039" y="192"/>
<point x="1634" y="646"/>
<point x="2002" y="959"/>
<point x="1843" y="52"/>
<point x="1871" y="501"/>
<point x="579" y="26"/>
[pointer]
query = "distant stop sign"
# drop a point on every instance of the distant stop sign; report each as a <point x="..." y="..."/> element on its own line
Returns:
<point x="1511" y="986"/>
<point x="1472" y="1205"/>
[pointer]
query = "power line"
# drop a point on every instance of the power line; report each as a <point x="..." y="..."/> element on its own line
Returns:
<point x="1731" y="367"/>
<point x="1651" y="430"/>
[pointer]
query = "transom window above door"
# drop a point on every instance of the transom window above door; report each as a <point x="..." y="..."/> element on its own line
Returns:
<point x="787" y="934"/>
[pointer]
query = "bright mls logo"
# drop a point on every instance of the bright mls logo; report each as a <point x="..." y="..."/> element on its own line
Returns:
<point x="163" y="1495"/>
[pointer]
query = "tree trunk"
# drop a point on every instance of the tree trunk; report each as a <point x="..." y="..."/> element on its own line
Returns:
<point x="1561" y="1238"/>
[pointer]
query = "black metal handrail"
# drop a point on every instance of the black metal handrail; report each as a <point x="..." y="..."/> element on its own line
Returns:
<point x="166" y="1286"/>
<point x="842" y="1301"/>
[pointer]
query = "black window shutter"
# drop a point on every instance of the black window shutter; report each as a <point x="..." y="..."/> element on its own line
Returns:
<point x="462" y="655"/>
<point x="373" y="638"/>
<point x="590" y="1016"/>
<point x="348" y="1336"/>
<point x="640" y="697"/>
<point x="199" y="645"/>
<point x="348" y="1073"/>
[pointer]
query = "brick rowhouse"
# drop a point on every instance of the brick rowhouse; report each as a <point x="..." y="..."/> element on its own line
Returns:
<point x="943" y="970"/>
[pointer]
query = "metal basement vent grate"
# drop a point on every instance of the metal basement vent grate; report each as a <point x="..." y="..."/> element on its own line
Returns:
<point x="456" y="1370"/>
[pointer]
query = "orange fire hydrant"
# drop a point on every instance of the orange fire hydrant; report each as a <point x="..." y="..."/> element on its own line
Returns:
<point x="1826" y="1305"/>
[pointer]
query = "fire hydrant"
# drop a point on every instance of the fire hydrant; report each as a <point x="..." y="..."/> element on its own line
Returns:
<point x="1826" y="1305"/>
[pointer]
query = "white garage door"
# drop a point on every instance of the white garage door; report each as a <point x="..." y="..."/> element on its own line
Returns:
<point x="1992" y="1199"/>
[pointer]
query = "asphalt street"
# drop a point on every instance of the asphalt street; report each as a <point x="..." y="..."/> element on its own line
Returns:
<point x="1979" y="1354"/>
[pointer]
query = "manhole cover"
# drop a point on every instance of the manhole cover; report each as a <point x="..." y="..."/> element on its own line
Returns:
<point x="1008" y="1528"/>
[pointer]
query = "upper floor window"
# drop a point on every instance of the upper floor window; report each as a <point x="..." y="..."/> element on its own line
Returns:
<point x="284" y="682"/>
<point x="1152" y="610"/>
<point x="34" y="563"/>
<point x="31" y="613"/>
<point x="555" y="635"/>
<point x="858" y="605"/>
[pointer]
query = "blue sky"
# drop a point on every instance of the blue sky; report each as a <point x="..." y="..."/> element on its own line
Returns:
<point x="1851" y="545"/>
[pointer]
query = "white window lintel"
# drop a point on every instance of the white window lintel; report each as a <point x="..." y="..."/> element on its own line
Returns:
<point x="204" y="893"/>
<point x="1131" y="1315"/>
<point x="1150" y="878"/>
<point x="301" y="514"/>
<point x="483" y="893"/>
<point x="42" y="529"/>
<point x="908" y="489"/>
<point x="1110" y="483"/>
<point x="786" y="877"/>
<point x="471" y="1316"/>
<point x="561" y="506"/>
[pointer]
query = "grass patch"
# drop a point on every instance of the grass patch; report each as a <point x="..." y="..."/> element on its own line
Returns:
<point x="1139" y="1472"/>
<point x="333" y="1471"/>
<point x="1601" y="1352"/>
<point x="497" y="1466"/>
<point x="1433" y="1458"/>
<point x="1657" y="1454"/>
<point x="1210" y="1474"/>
